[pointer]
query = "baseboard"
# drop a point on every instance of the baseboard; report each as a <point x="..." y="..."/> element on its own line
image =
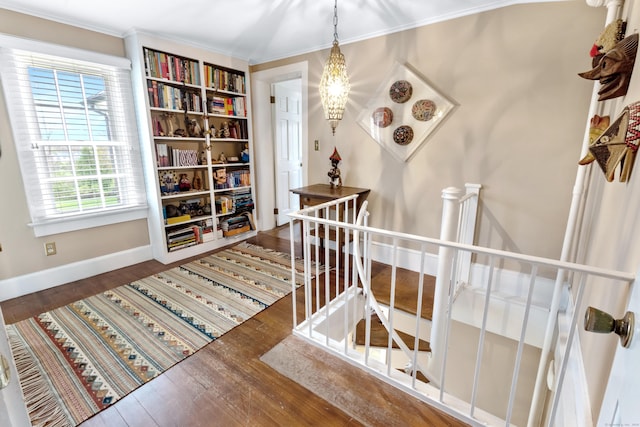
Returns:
<point x="33" y="282"/>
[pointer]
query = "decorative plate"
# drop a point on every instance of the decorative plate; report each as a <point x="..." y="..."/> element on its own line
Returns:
<point x="382" y="117"/>
<point x="400" y="91"/>
<point x="403" y="135"/>
<point x="424" y="110"/>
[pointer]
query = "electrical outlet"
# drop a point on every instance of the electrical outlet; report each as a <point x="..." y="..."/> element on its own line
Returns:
<point x="50" y="248"/>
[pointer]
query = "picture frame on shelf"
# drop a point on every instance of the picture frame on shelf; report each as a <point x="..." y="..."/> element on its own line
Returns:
<point x="404" y="112"/>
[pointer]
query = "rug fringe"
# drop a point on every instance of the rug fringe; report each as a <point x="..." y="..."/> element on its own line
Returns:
<point x="42" y="406"/>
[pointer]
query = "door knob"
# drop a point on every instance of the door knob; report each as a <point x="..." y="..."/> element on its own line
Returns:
<point x="601" y="322"/>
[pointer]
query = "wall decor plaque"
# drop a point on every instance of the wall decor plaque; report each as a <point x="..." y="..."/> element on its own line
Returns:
<point x="404" y="112"/>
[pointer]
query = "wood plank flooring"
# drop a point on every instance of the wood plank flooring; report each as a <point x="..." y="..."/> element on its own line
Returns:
<point x="225" y="383"/>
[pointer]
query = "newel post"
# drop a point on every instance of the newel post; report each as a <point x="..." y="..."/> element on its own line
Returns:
<point x="448" y="231"/>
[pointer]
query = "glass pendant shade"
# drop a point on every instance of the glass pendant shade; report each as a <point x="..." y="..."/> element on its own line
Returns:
<point x="334" y="87"/>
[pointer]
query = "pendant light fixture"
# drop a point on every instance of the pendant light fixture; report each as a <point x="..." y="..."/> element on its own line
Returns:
<point x="334" y="84"/>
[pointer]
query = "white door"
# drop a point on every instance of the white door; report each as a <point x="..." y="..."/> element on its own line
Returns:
<point x="288" y="137"/>
<point x="620" y="403"/>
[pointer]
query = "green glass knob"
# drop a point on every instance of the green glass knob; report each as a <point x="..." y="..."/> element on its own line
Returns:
<point x="598" y="321"/>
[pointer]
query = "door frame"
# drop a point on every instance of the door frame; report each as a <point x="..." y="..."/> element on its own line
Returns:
<point x="264" y="141"/>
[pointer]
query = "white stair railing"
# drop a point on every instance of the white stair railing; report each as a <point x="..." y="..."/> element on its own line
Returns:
<point x="338" y="296"/>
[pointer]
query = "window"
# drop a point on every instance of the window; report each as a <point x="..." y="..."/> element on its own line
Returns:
<point x="75" y="132"/>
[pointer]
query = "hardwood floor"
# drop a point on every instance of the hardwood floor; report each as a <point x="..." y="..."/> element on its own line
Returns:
<point x="226" y="383"/>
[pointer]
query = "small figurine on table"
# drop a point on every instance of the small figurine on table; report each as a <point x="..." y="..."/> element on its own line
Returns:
<point x="334" y="174"/>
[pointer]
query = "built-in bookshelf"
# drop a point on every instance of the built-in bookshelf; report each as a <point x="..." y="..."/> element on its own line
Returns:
<point x="194" y="117"/>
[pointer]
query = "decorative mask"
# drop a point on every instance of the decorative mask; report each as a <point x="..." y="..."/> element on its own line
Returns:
<point x="614" y="69"/>
<point x="610" y="36"/>
<point x="618" y="144"/>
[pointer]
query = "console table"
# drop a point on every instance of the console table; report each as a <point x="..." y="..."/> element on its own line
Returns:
<point x="316" y="194"/>
<point x="319" y="193"/>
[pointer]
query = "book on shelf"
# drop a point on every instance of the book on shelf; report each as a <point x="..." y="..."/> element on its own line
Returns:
<point x="168" y="156"/>
<point x="182" y="246"/>
<point x="225" y="205"/>
<point x="163" y="95"/>
<point x="234" y="179"/>
<point x="237" y="224"/>
<point x="219" y="79"/>
<point x="171" y="67"/>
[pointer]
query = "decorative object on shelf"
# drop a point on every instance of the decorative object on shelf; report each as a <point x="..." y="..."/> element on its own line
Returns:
<point x="618" y="144"/>
<point x="196" y="182"/>
<point x="222" y="158"/>
<point x="172" y="211"/>
<point x="220" y="176"/>
<point x="598" y="125"/>
<point x="184" y="184"/>
<point x="400" y="91"/>
<point x="212" y="131"/>
<point x="167" y="186"/>
<point x="614" y="69"/>
<point x="413" y="122"/>
<point x="168" y="120"/>
<point x="382" y="117"/>
<point x="334" y="83"/>
<point x="335" y="180"/>
<point x="180" y="132"/>
<point x="194" y="129"/>
<point x="244" y="154"/>
<point x="226" y="133"/>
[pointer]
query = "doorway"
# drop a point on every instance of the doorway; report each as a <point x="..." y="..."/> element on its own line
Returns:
<point x="288" y="146"/>
<point x="270" y="194"/>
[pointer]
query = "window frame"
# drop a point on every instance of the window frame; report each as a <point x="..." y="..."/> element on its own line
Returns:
<point x="43" y="225"/>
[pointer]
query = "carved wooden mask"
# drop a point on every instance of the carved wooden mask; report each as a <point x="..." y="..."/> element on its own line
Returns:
<point x="614" y="69"/>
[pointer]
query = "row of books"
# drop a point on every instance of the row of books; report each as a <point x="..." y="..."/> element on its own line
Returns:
<point x="225" y="205"/>
<point x="237" y="224"/>
<point x="237" y="178"/>
<point x="227" y="106"/>
<point x="169" y="156"/>
<point x="234" y="203"/>
<point x="191" y="235"/>
<point x="224" y="80"/>
<point x="165" y="66"/>
<point x="166" y="96"/>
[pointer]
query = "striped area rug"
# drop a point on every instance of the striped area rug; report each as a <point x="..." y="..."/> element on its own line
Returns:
<point x="76" y="360"/>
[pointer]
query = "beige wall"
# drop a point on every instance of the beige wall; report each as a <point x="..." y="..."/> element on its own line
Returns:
<point x="23" y="253"/>
<point x="517" y="131"/>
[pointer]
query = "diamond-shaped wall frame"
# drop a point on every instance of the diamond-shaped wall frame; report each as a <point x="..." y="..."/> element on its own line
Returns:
<point x="403" y="112"/>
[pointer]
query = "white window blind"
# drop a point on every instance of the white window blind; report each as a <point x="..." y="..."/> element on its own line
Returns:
<point x="75" y="131"/>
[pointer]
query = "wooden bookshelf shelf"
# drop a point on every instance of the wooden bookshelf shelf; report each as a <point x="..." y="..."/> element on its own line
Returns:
<point x="195" y="107"/>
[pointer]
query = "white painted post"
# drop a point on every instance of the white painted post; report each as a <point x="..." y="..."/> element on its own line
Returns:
<point x="448" y="231"/>
<point x="467" y="231"/>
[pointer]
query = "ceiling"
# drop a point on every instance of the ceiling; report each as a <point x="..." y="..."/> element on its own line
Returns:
<point x="254" y="30"/>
